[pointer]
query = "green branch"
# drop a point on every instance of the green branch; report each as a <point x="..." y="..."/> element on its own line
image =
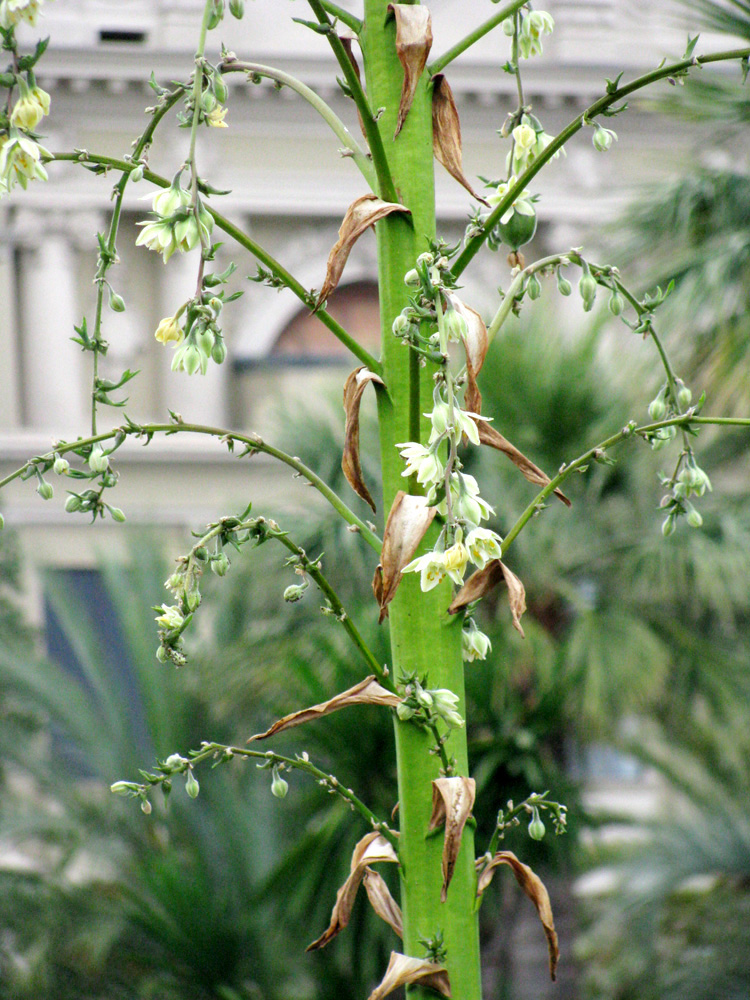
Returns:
<point x="312" y="567"/>
<point x="343" y="15"/>
<point x="374" y="140"/>
<point x="474" y="243"/>
<point x="252" y="442"/>
<point x="629" y="431"/>
<point x="280" y="272"/>
<point x="479" y="32"/>
<point x="314" y="100"/>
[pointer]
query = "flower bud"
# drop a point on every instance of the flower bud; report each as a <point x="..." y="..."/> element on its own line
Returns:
<point x="508" y="27"/>
<point x="657" y="408"/>
<point x="684" y="395"/>
<point x="220" y="564"/>
<point x="616" y="303"/>
<point x="563" y="285"/>
<point x="456" y="326"/>
<point x="603" y="138"/>
<point x="220" y="88"/>
<point x="193" y="599"/>
<point x="536" y="827"/>
<point x="117" y="514"/>
<point x="98" y="461"/>
<point x="121" y="788"/>
<point x="219" y="351"/>
<point x="534" y="289"/>
<point x="237" y="8"/>
<point x="694" y="518"/>
<point x="411" y="278"/>
<point x="295" y="592"/>
<point x="587" y="289"/>
<point x="73" y="503"/>
<point x="2" y="522"/>
<point x="191" y="784"/>
<point x="175" y="761"/>
<point x="116" y="302"/>
<point x="161" y="654"/>
<point x="400" y="325"/>
<point x="137" y="174"/>
<point x="279" y="787"/>
<point x="405" y="712"/>
<point x="61" y="466"/>
<point x="145" y="807"/>
<point x="668" y="525"/>
<point x="45" y="490"/>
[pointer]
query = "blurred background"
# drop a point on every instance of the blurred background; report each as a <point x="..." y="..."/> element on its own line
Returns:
<point x="628" y="698"/>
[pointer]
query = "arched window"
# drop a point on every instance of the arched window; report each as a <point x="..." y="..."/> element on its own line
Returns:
<point x="306" y="341"/>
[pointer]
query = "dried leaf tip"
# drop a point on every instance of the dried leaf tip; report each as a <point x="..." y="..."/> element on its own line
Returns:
<point x="413" y="44"/>
<point x="367" y="692"/>
<point x="483" y="581"/>
<point x="370" y="850"/>
<point x="446" y="133"/>
<point x="408" y="520"/>
<point x="535" y="889"/>
<point x="403" y="970"/>
<point x="452" y="802"/>
<point x="354" y="387"/>
<point x="361" y="214"/>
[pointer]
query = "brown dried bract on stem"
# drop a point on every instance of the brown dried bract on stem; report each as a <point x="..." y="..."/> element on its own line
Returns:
<point x="446" y="133"/>
<point x="382" y="901"/>
<point x="402" y="970"/>
<point x="367" y="692"/>
<point x="354" y="386"/>
<point x="534" y="888"/>
<point x="371" y="849"/>
<point x="413" y="44"/>
<point x="361" y="214"/>
<point x="483" y="581"/>
<point x="408" y="520"/>
<point x="452" y="802"/>
<point x="347" y="39"/>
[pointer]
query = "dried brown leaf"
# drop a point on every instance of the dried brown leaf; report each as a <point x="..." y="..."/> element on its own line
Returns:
<point x="477" y="344"/>
<point x="446" y="133"/>
<point x="367" y="692"/>
<point x="354" y="386"/>
<point x="488" y="435"/>
<point x="413" y="44"/>
<point x="382" y="901"/>
<point x="534" y="888"/>
<point x="483" y="581"/>
<point x="452" y="802"/>
<point x="408" y="520"/>
<point x="402" y="970"/>
<point x="370" y="850"/>
<point x="361" y="214"/>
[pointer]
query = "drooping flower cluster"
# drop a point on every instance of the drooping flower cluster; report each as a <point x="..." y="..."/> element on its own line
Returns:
<point x="532" y="24"/>
<point x="436" y="464"/>
<point x="20" y="161"/>
<point x="179" y="225"/>
<point x="12" y="12"/>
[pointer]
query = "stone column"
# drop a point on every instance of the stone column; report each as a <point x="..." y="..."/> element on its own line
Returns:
<point x="10" y="367"/>
<point x="56" y="392"/>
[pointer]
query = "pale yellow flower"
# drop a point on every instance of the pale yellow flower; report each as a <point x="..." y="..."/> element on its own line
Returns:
<point x="168" y="331"/>
<point x="216" y="117"/>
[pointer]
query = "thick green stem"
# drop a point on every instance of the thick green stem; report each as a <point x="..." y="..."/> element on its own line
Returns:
<point x="424" y="639"/>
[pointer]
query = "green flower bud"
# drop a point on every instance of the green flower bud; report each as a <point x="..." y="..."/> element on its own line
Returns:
<point x="220" y="564"/>
<point x="191" y="785"/>
<point x="146" y="807"/>
<point x="616" y="303"/>
<point x="657" y="408"/>
<point x="2" y="522"/>
<point x="116" y="302"/>
<point x="694" y="519"/>
<point x="684" y="395"/>
<point x="161" y="654"/>
<point x="45" y="490"/>
<point x="587" y="289"/>
<point x="279" y="787"/>
<point x="456" y="326"/>
<point x="60" y="466"/>
<point x="121" y="788"/>
<point x="603" y="138"/>
<point x="295" y="592"/>
<point x="193" y="599"/>
<point x="73" y="503"/>
<point x="668" y="525"/>
<point x="98" y="461"/>
<point x="411" y="278"/>
<point x="564" y="287"/>
<point x="117" y="514"/>
<point x="400" y="325"/>
<point x="201" y="553"/>
<point x="137" y="174"/>
<point x="405" y="712"/>
<point x="220" y="88"/>
<point x="534" y="289"/>
<point x="536" y="827"/>
<point x="237" y="9"/>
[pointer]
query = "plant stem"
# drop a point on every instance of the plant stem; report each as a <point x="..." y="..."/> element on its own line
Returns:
<point x="423" y="639"/>
<point x="314" y="100"/>
<point x="277" y="269"/>
<point x="343" y="15"/>
<point x="252" y="442"/>
<point x="474" y="243"/>
<point x="370" y="125"/>
<point x="479" y="32"/>
<point x="312" y="567"/>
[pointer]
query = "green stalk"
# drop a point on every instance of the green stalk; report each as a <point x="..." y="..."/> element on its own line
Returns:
<point x="423" y="639"/>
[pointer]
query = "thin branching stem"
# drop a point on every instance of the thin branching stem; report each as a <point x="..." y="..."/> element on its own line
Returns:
<point x="479" y="32"/>
<point x="345" y="16"/>
<point x="278" y="270"/>
<point x="475" y="242"/>
<point x="370" y="125"/>
<point x="314" y="100"/>
<point x="252" y="442"/>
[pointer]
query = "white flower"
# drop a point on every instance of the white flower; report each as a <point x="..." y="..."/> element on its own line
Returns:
<point x="20" y="161"/>
<point x="158" y="236"/>
<point x="431" y="567"/>
<point x="189" y="358"/>
<point x="30" y="107"/>
<point x="474" y="644"/>
<point x="171" y="617"/>
<point x="463" y="423"/>
<point x="12" y="12"/>
<point x="522" y="203"/>
<point x="603" y="138"/>
<point x="483" y="545"/>
<point x="445" y="704"/>
<point x="456" y="557"/>
<point x="466" y="504"/>
<point x="533" y="26"/>
<point x="421" y="461"/>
